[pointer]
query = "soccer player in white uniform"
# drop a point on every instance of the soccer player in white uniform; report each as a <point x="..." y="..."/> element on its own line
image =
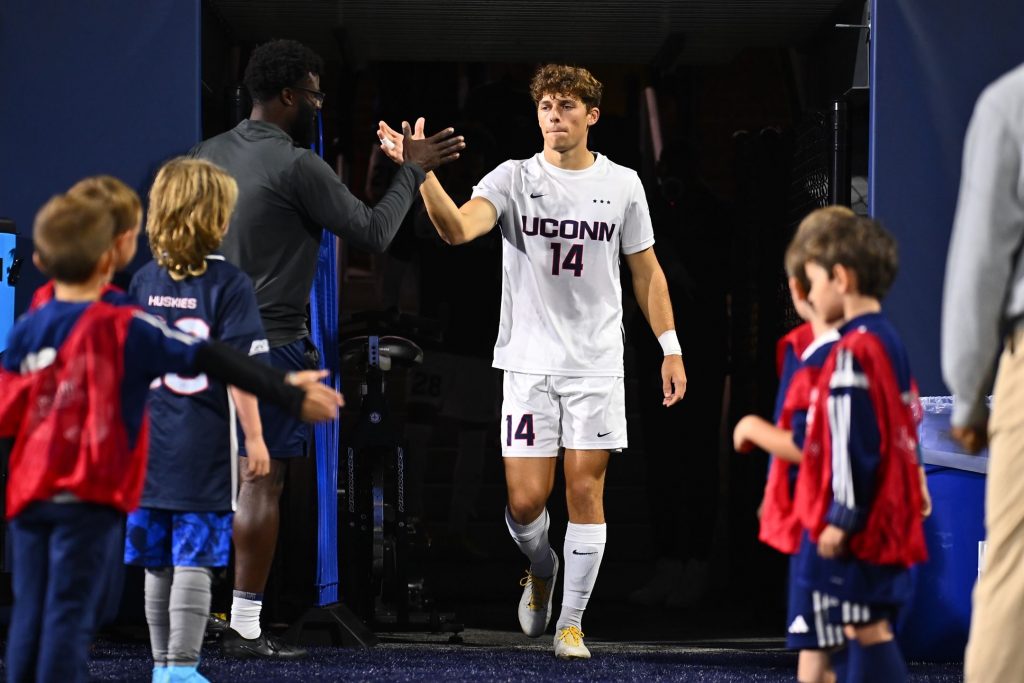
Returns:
<point x="565" y="215"/>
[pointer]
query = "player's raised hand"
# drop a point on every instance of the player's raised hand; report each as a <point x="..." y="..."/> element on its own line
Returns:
<point x="673" y="380"/>
<point x="392" y="142"/>
<point x="321" y="402"/>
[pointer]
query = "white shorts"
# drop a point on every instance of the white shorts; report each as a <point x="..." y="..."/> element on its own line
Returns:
<point x="542" y="413"/>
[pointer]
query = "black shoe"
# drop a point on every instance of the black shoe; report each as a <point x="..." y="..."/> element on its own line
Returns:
<point x="265" y="646"/>
<point x="215" y="627"/>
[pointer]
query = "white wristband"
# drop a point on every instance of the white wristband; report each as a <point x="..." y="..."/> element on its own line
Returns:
<point x="670" y="343"/>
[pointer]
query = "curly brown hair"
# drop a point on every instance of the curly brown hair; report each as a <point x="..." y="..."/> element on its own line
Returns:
<point x="190" y="205"/>
<point x="561" y="79"/>
<point x="796" y="253"/>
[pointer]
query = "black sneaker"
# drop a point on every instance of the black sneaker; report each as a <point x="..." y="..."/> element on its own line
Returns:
<point x="216" y="625"/>
<point x="265" y="646"/>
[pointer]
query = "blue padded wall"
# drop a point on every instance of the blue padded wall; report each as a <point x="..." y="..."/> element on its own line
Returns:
<point x="105" y="86"/>
<point x="929" y="62"/>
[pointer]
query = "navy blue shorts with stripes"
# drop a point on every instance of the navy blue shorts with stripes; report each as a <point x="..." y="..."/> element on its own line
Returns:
<point x="807" y="626"/>
<point x="846" y="591"/>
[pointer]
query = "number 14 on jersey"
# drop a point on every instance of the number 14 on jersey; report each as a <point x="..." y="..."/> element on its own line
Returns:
<point x="573" y="259"/>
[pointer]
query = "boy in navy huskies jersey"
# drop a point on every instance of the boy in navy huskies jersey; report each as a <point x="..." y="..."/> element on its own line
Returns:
<point x="860" y="492"/>
<point x="799" y="367"/>
<point x="72" y="394"/>
<point x="183" y="528"/>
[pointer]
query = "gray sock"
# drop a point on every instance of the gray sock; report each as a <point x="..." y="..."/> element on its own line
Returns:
<point x="157" y="595"/>
<point x="189" y="610"/>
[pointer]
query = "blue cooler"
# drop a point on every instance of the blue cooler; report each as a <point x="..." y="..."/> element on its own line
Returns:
<point x="935" y="624"/>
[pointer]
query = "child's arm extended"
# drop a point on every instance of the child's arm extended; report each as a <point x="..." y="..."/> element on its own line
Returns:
<point x="257" y="456"/>
<point x="154" y="349"/>
<point x="754" y="431"/>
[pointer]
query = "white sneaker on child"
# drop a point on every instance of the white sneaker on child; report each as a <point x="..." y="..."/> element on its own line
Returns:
<point x="535" y="605"/>
<point x="569" y="644"/>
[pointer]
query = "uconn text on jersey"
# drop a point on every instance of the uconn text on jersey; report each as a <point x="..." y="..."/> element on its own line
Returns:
<point x="568" y="229"/>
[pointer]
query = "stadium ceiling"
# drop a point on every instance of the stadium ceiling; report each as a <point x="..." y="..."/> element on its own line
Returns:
<point x="585" y="32"/>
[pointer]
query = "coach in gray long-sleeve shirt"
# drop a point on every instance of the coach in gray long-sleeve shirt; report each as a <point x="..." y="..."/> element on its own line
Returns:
<point x="983" y="310"/>
<point x="286" y="196"/>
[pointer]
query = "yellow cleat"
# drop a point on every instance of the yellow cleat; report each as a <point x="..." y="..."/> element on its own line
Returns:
<point x="569" y="644"/>
<point x="535" y="605"/>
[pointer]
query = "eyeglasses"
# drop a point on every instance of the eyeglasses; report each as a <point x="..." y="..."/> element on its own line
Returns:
<point x="317" y="95"/>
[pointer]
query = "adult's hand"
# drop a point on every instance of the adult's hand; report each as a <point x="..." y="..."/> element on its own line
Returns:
<point x="973" y="438"/>
<point x="429" y="153"/>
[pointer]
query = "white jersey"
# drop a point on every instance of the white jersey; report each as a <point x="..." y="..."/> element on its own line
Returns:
<point x="562" y="233"/>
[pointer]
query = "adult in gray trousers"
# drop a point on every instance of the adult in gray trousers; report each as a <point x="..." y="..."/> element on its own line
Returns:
<point x="983" y="313"/>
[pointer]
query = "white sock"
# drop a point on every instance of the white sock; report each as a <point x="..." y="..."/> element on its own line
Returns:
<point x="583" y="550"/>
<point x="245" y="613"/>
<point x="532" y="540"/>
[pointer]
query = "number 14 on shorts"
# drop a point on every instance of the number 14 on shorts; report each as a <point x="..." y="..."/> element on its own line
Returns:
<point x="524" y="432"/>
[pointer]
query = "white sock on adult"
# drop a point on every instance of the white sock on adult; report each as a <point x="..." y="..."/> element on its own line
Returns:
<point x="532" y="540"/>
<point x="245" y="613"/>
<point x="583" y="550"/>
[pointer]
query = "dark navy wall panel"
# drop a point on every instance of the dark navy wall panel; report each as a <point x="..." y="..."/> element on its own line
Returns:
<point x="105" y="86"/>
<point x="930" y="61"/>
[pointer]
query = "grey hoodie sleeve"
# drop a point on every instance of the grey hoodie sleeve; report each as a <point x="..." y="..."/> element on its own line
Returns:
<point x="981" y="269"/>
<point x="329" y="203"/>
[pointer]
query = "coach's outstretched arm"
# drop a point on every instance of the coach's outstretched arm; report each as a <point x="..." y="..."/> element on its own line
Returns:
<point x="330" y="203"/>
<point x="651" y="292"/>
<point x="455" y="224"/>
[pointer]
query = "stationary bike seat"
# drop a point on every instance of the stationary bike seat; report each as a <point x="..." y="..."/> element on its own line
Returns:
<point x="392" y="349"/>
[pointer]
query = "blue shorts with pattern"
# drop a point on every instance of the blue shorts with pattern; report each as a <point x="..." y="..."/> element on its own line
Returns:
<point x="171" y="538"/>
